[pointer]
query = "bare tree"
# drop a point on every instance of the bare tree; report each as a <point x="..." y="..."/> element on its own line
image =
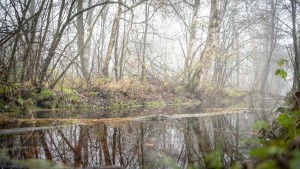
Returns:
<point x="211" y="47"/>
<point x="80" y="41"/>
<point x="112" y="41"/>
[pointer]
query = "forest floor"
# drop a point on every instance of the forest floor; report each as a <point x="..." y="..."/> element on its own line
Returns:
<point x="112" y="95"/>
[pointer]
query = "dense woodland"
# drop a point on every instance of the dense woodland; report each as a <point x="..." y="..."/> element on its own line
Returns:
<point x="191" y="43"/>
<point x="64" y="52"/>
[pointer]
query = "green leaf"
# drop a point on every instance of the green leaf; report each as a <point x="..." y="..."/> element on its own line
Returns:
<point x="282" y="73"/>
<point x="286" y="120"/>
<point x="267" y="151"/>
<point x="281" y="62"/>
<point x="267" y="164"/>
<point x="295" y="161"/>
<point x="261" y="124"/>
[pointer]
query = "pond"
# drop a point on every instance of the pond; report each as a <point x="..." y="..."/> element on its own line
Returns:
<point x="185" y="138"/>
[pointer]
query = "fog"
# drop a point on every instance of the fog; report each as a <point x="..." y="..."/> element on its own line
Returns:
<point x="228" y="44"/>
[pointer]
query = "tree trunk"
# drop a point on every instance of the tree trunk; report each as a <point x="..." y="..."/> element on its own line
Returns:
<point x="42" y="41"/>
<point x="102" y="35"/>
<point x="80" y="42"/>
<point x="88" y="52"/>
<point x="111" y="42"/>
<point x="54" y="44"/>
<point x="272" y="42"/>
<point x="76" y="56"/>
<point x="191" y="41"/>
<point x="211" y="46"/>
<point x="45" y="145"/>
<point x="103" y="140"/>
<point x="116" y="46"/>
<point x="296" y="83"/>
<point x="124" y="46"/>
<point x="12" y="60"/>
<point x="143" y="73"/>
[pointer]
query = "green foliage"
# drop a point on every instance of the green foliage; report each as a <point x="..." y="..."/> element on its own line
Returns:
<point x="12" y="99"/>
<point x="118" y="105"/>
<point x="44" y="98"/>
<point x="93" y="94"/>
<point x="155" y="104"/>
<point x="179" y="89"/>
<point x="268" y="164"/>
<point x="45" y="94"/>
<point x="282" y="73"/>
<point x="2" y="105"/>
<point x="70" y="94"/>
<point x="295" y="162"/>
<point x="9" y="90"/>
<point x="177" y="101"/>
<point x="26" y="106"/>
<point x="268" y="151"/>
<point x="68" y="91"/>
<point x="214" y="159"/>
<point x="251" y="142"/>
<point x="277" y="149"/>
<point x="282" y="62"/>
<point x="261" y="124"/>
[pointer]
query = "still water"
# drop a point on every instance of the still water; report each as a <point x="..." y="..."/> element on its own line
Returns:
<point x="181" y="139"/>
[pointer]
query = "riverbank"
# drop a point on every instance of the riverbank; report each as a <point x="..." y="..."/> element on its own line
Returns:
<point x="129" y="93"/>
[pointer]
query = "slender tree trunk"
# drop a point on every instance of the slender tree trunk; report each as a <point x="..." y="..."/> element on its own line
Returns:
<point x="61" y="26"/>
<point x="188" y="137"/>
<point x="103" y="140"/>
<point x="191" y="41"/>
<point x="27" y="71"/>
<point x="27" y="48"/>
<point x="114" y="146"/>
<point x="272" y="42"/>
<point x="143" y="73"/>
<point x="124" y="46"/>
<point x="42" y="41"/>
<point x="116" y="46"/>
<point x="12" y="60"/>
<point x="54" y="44"/>
<point x="88" y="51"/>
<point x="76" y="56"/>
<point x="45" y="145"/>
<point x="111" y="42"/>
<point x="120" y="146"/>
<point x="80" y="41"/>
<point x="123" y="52"/>
<point x="236" y="44"/>
<point x="141" y="141"/>
<point x="100" y="57"/>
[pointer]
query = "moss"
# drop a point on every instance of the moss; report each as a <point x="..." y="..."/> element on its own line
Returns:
<point x="45" y="94"/>
<point x="177" y="101"/>
<point x="9" y="91"/>
<point x="93" y="94"/>
<point x="3" y="106"/>
<point x="70" y="95"/>
<point x="131" y="104"/>
<point x="44" y="99"/>
<point x="155" y="104"/>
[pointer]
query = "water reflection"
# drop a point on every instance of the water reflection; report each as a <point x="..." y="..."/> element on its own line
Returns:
<point x="174" y="143"/>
